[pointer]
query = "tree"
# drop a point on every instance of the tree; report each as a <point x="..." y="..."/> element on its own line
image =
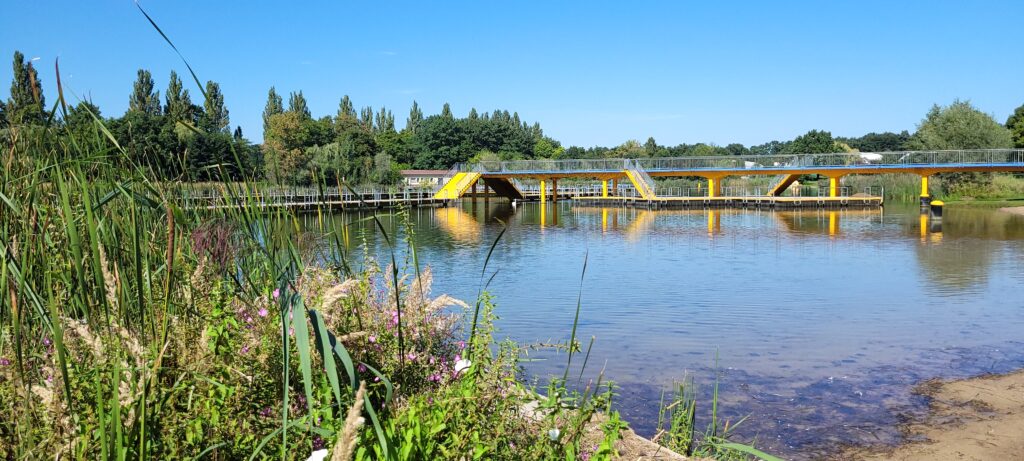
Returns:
<point x="813" y="142"/>
<point x="80" y="122"/>
<point x="178" y="105"/>
<point x="446" y="112"/>
<point x="346" y="118"/>
<point x="651" y="146"/>
<point x="768" y="148"/>
<point x="366" y="117"/>
<point x="26" y="104"/>
<point x="472" y="114"/>
<point x="297" y="104"/>
<point x="737" y="149"/>
<point x="879" y="142"/>
<point x="143" y="100"/>
<point x="274" y="106"/>
<point x="415" y="118"/>
<point x="385" y="121"/>
<point x="959" y="126"/>
<point x="215" y="114"/>
<point x="1016" y="126"/>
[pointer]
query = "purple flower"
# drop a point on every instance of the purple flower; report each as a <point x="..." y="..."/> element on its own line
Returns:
<point x="277" y="293"/>
<point x="263" y="312"/>
<point x="47" y="342"/>
<point x="245" y="349"/>
<point x="411" y="356"/>
<point x="4" y="361"/>
<point x="361" y="368"/>
<point x="266" y="412"/>
<point x="462" y="345"/>
<point x="372" y="339"/>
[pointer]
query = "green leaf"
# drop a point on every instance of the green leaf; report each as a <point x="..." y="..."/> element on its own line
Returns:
<point x="750" y="451"/>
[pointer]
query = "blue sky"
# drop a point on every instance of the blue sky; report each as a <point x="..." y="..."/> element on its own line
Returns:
<point x="592" y="73"/>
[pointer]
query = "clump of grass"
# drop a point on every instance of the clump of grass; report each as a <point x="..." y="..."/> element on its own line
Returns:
<point x="679" y="431"/>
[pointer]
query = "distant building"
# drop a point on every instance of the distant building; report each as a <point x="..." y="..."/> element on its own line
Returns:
<point x="422" y="178"/>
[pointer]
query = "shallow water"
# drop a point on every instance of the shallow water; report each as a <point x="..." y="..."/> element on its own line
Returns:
<point x="816" y="323"/>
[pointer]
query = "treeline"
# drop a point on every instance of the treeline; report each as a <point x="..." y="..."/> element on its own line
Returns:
<point x="365" y="146"/>
<point x="178" y="139"/>
<point x="957" y="126"/>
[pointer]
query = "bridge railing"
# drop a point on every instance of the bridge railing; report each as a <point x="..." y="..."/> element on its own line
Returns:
<point x="542" y="166"/>
<point x="750" y="162"/>
<point x="276" y="195"/>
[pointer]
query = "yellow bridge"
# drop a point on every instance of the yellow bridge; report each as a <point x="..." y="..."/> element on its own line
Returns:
<point x="502" y="177"/>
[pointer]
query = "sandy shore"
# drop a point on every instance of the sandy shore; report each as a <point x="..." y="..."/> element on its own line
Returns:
<point x="1013" y="209"/>
<point x="974" y="419"/>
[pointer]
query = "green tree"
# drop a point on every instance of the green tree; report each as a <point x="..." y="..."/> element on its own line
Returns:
<point x="959" y="126"/>
<point x="26" y="103"/>
<point x="385" y="121"/>
<point x="80" y="122"/>
<point x="879" y="142"/>
<point x="274" y="106"/>
<point x="346" y="118"/>
<point x="415" y="118"/>
<point x="366" y="117"/>
<point x="547" y="148"/>
<point x="446" y="112"/>
<point x="1015" y="123"/>
<point x="143" y="99"/>
<point x="215" y="114"/>
<point x="813" y="142"/>
<point x="297" y="104"/>
<point x="178" y="105"/>
<point x="651" y="147"/>
<point x="472" y="114"/>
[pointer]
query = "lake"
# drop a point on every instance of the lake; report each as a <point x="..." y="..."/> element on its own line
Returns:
<point x="815" y="323"/>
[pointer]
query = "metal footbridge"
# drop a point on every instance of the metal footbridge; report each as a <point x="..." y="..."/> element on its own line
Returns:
<point x="503" y="176"/>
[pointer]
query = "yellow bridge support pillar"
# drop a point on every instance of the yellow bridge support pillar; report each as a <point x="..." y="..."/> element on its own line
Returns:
<point x="833" y="186"/>
<point x="714" y="187"/>
<point x="604" y="188"/>
<point x="543" y="191"/>
<point x="924" y="187"/>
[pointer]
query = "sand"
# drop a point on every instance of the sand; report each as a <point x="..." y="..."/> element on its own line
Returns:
<point x="1013" y="209"/>
<point x="975" y="419"/>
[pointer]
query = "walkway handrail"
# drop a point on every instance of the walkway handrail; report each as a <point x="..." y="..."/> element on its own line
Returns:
<point x="750" y="162"/>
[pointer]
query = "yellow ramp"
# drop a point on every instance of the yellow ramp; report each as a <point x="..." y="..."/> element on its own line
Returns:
<point x="783" y="184"/>
<point x="457" y="186"/>
<point x="640" y="184"/>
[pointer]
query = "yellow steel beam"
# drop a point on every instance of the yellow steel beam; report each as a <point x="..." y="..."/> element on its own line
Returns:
<point x="924" y="186"/>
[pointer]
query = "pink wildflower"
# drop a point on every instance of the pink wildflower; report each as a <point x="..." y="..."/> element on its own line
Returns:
<point x="277" y="293"/>
<point x="263" y="312"/>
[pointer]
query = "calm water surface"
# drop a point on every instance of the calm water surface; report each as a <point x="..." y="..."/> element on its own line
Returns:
<point x="817" y="324"/>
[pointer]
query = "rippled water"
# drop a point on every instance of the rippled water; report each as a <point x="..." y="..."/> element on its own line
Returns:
<point x="820" y="322"/>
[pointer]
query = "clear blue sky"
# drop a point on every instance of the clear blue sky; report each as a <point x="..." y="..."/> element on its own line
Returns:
<point x="592" y="73"/>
